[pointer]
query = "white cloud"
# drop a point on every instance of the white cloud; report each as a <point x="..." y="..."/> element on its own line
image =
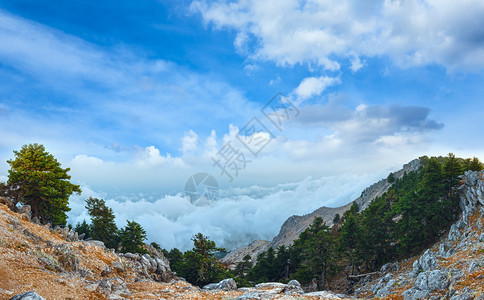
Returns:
<point x="291" y="32"/>
<point x="356" y="64"/>
<point x="314" y="86"/>
<point x="102" y="89"/>
<point x="236" y="217"/>
<point x="189" y="141"/>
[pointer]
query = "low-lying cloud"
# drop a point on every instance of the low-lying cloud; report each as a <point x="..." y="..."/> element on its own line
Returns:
<point x="237" y="217"/>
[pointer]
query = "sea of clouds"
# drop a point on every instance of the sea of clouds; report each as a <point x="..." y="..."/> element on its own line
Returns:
<point x="237" y="217"/>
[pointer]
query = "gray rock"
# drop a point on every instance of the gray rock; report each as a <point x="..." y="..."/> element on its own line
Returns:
<point x="454" y="233"/>
<point x="427" y="262"/>
<point x="106" y="271"/>
<point x="445" y="250"/>
<point x="432" y="280"/>
<point x="387" y="289"/>
<point x="72" y="236"/>
<point x="293" y="287"/>
<point x="249" y="296"/>
<point x="67" y="259"/>
<point x="389" y="267"/>
<point x="95" y="243"/>
<point x="114" y="286"/>
<point x="322" y="294"/>
<point x="27" y="296"/>
<point x="85" y="273"/>
<point x="455" y="274"/>
<point x="414" y="293"/>
<point x="117" y="266"/>
<point x="225" y="285"/>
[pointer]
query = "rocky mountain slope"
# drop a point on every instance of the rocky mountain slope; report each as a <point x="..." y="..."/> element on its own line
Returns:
<point x="38" y="262"/>
<point x="295" y="225"/>
<point x="452" y="269"/>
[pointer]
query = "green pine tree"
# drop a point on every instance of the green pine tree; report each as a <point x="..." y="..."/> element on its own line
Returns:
<point x="45" y="183"/>
<point x="132" y="238"/>
<point x="103" y="226"/>
<point x="83" y="228"/>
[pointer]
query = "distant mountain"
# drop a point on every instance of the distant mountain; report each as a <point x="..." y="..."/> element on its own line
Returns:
<point x="295" y="225"/>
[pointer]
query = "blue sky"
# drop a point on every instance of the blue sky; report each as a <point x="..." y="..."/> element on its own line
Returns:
<point x="137" y="96"/>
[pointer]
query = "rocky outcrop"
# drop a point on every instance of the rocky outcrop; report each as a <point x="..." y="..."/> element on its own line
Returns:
<point x="27" y="296"/>
<point x="157" y="268"/>
<point x="453" y="265"/>
<point x="291" y="290"/>
<point x="426" y="283"/>
<point x="295" y="225"/>
<point x="427" y="262"/>
<point x="224" y="285"/>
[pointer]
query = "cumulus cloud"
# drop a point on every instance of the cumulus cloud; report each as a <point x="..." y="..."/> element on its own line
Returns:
<point x="412" y="33"/>
<point x="314" y="86"/>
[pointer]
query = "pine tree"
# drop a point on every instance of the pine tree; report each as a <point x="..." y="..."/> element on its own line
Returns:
<point x="476" y="165"/>
<point x="243" y="267"/>
<point x="200" y="266"/>
<point x="83" y="228"/>
<point x="175" y="257"/>
<point x="45" y="183"/>
<point x="103" y="226"/>
<point x="132" y="238"/>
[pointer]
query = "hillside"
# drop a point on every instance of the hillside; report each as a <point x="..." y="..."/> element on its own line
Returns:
<point x="453" y="268"/>
<point x="55" y="265"/>
<point x="295" y="225"/>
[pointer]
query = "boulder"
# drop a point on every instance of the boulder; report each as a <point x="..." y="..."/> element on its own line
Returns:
<point x="454" y="233"/>
<point x="445" y="250"/>
<point x="225" y="285"/>
<point x="389" y="267"/>
<point x="427" y="262"/>
<point x="293" y="287"/>
<point x="413" y="294"/>
<point x="67" y="259"/>
<point x="95" y="243"/>
<point x="322" y="295"/>
<point x="114" y="286"/>
<point x="432" y="280"/>
<point x="117" y="266"/>
<point x="27" y="296"/>
<point x="474" y="265"/>
<point x="72" y="236"/>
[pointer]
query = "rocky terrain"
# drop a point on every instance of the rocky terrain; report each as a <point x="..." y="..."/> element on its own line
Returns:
<point x="451" y="269"/>
<point x="38" y="262"/>
<point x="295" y="225"/>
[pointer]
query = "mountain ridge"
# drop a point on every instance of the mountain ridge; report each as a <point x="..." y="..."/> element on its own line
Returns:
<point x="295" y="224"/>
